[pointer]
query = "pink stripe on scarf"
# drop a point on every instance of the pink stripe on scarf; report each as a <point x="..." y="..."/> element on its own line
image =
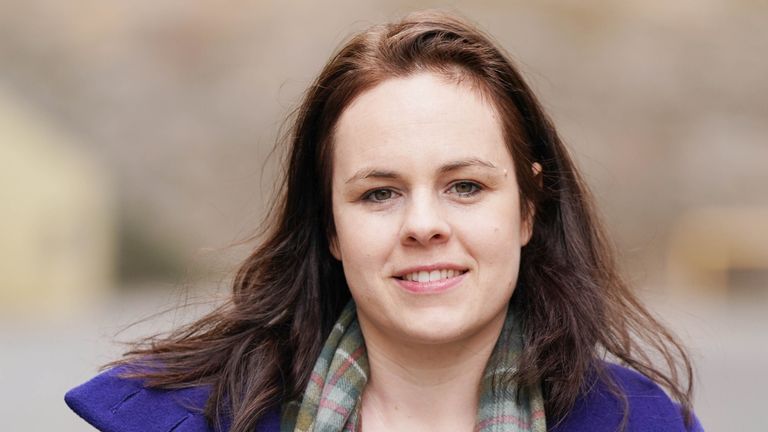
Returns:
<point x="503" y="419"/>
<point x="331" y="405"/>
<point x="317" y="379"/>
<point x="353" y="356"/>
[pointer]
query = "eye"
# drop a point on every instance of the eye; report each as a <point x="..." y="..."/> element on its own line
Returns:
<point x="378" y="195"/>
<point x="465" y="188"/>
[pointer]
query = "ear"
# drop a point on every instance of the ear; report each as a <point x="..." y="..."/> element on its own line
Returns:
<point x="333" y="245"/>
<point x="536" y="168"/>
<point x="526" y="226"/>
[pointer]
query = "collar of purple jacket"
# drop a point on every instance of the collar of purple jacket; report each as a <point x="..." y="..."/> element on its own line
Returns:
<point x="114" y="404"/>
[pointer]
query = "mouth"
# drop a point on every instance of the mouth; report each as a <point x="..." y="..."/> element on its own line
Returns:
<point x="431" y="279"/>
<point x="424" y="276"/>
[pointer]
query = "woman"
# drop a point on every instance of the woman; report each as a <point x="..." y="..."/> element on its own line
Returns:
<point x="433" y="263"/>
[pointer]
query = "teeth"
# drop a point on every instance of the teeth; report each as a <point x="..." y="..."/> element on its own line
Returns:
<point x="434" y="275"/>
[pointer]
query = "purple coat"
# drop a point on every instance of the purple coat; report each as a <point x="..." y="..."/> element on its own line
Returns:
<point x="113" y="404"/>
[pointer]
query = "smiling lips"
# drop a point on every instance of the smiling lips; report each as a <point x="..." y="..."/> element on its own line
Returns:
<point x="431" y="279"/>
<point x="431" y="276"/>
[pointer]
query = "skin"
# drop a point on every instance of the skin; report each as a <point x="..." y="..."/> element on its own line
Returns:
<point x="422" y="175"/>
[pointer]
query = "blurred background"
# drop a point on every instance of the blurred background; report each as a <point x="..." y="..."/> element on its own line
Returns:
<point x="135" y="142"/>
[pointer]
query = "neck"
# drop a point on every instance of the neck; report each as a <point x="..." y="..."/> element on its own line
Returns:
<point x="416" y="386"/>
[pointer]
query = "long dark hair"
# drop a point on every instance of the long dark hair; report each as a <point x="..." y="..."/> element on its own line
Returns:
<point x="257" y="350"/>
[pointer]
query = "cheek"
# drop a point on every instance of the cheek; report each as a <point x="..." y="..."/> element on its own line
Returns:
<point x="497" y="221"/>
<point x="365" y="243"/>
<point x="495" y="244"/>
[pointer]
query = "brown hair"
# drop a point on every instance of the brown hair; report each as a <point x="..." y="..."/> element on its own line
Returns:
<point x="258" y="350"/>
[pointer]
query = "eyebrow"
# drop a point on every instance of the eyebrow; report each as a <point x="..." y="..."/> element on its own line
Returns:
<point x="366" y="173"/>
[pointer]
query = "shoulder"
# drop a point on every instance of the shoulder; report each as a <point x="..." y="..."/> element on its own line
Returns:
<point x="114" y="404"/>
<point x="650" y="408"/>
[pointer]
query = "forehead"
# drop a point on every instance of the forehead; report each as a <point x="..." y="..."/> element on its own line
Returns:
<point x="419" y="118"/>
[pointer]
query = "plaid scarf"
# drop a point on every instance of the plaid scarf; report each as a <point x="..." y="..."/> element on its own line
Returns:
<point x="331" y="401"/>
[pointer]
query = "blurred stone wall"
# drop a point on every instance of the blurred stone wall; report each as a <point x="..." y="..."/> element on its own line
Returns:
<point x="57" y="219"/>
<point x="663" y="104"/>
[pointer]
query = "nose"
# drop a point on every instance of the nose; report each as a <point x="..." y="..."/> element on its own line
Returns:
<point x="424" y="222"/>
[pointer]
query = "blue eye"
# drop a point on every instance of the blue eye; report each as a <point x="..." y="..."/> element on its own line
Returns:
<point x="465" y="188"/>
<point x="378" y="195"/>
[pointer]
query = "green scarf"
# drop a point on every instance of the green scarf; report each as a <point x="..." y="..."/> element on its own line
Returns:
<point x="331" y="401"/>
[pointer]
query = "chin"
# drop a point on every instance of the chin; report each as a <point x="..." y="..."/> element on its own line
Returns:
<point x="438" y="327"/>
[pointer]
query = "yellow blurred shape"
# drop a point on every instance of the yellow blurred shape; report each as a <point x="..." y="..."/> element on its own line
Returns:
<point x="57" y="236"/>
<point x="707" y="245"/>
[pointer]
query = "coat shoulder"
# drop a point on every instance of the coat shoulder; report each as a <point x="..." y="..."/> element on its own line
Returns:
<point x="649" y="408"/>
<point x="112" y="403"/>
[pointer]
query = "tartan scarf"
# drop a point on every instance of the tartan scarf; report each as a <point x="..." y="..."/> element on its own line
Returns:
<point x="331" y="401"/>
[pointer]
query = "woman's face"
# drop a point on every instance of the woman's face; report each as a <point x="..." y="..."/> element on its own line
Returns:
<point x="426" y="210"/>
